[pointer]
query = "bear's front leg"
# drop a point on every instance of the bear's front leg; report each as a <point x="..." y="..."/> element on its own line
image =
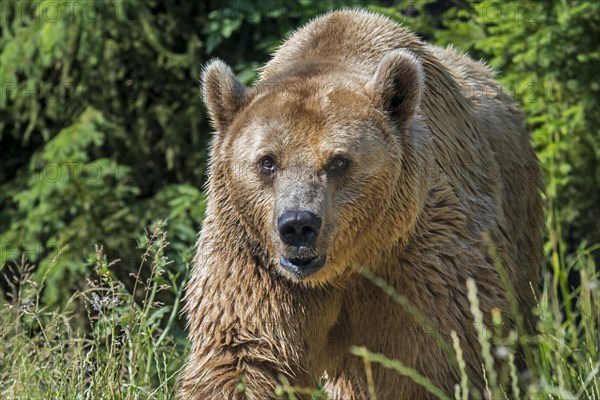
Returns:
<point x="237" y="371"/>
<point x="246" y="330"/>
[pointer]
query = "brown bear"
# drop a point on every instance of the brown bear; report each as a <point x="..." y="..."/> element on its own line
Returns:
<point x="360" y="148"/>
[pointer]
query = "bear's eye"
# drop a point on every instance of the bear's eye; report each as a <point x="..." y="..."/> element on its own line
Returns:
<point x="338" y="165"/>
<point x="267" y="164"/>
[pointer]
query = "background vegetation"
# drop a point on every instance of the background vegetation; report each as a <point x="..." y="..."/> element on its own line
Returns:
<point x="103" y="142"/>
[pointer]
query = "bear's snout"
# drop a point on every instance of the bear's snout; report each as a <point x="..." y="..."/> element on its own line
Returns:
<point x="299" y="231"/>
<point x="299" y="228"/>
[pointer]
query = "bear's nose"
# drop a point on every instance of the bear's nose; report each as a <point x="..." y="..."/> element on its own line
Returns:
<point x="299" y="228"/>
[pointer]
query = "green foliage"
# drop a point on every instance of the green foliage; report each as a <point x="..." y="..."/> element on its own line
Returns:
<point x="104" y="126"/>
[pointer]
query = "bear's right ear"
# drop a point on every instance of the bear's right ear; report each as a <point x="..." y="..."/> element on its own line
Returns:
<point x="398" y="85"/>
<point x="224" y="95"/>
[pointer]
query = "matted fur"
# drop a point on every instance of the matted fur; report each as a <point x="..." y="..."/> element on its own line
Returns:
<point x="441" y="167"/>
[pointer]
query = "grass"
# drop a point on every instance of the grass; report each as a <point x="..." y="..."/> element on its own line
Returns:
<point x="121" y="348"/>
<point x="124" y="347"/>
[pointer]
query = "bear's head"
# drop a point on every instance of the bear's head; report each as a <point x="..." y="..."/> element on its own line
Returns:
<point x="318" y="168"/>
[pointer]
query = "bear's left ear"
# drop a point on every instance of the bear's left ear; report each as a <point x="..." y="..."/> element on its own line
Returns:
<point x="224" y="95"/>
<point x="398" y="85"/>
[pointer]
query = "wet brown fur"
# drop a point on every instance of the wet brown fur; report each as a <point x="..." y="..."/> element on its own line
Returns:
<point x="441" y="167"/>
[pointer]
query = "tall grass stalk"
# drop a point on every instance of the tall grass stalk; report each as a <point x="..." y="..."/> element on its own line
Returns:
<point x="401" y="369"/>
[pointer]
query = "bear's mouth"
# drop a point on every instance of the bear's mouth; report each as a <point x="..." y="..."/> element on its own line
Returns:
<point x="302" y="267"/>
